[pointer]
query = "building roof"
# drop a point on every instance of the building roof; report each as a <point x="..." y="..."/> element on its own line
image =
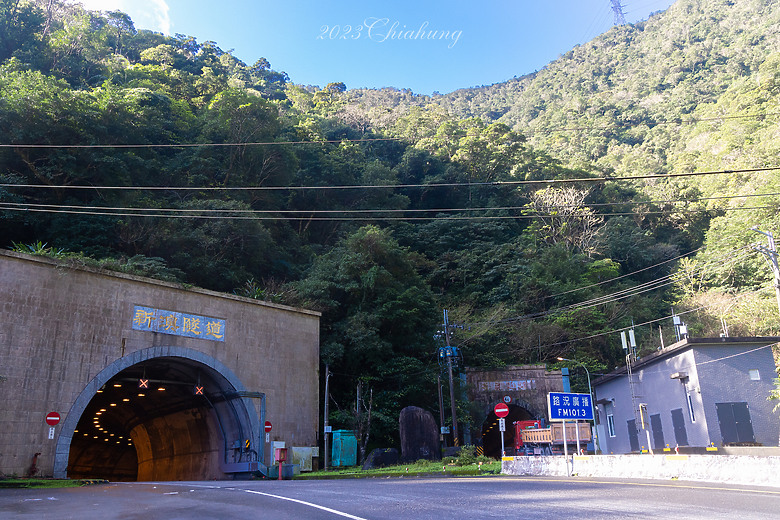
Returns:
<point x="684" y="344"/>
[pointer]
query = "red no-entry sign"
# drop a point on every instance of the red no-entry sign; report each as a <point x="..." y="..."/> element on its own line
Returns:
<point x="52" y="418"/>
<point x="501" y="410"/>
<point x="267" y="426"/>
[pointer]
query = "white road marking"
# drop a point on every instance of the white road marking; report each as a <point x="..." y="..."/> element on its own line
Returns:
<point x="316" y="506"/>
<point x="323" y="508"/>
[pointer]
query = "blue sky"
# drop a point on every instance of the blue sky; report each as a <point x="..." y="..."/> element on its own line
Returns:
<point x="423" y="45"/>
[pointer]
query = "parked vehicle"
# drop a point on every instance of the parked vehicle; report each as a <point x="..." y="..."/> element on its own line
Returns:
<point x="533" y="438"/>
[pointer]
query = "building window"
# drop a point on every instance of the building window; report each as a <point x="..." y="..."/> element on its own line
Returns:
<point x="754" y="375"/>
<point x="690" y="408"/>
<point x="611" y="424"/>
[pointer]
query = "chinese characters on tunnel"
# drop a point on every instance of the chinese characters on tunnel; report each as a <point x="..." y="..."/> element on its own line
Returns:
<point x="505" y="386"/>
<point x="178" y="323"/>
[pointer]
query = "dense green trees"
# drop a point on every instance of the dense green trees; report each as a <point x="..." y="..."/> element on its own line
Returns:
<point x="169" y="156"/>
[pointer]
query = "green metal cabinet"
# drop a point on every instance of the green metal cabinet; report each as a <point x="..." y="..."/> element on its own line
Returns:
<point x="344" y="451"/>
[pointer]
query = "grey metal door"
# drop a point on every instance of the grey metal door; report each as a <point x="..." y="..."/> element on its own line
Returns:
<point x="658" y="431"/>
<point x="735" y="424"/>
<point x="678" y="422"/>
<point x="633" y="435"/>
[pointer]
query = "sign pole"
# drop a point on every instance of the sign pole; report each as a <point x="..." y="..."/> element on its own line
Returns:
<point x="565" y="406"/>
<point x="577" y="433"/>
<point x="501" y="410"/>
<point x="565" y="449"/>
<point x="501" y="430"/>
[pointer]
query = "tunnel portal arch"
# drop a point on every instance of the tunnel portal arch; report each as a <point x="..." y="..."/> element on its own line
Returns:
<point x="192" y="419"/>
<point x="491" y="437"/>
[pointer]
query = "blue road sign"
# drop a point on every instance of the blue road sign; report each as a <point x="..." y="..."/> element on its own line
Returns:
<point x="565" y="406"/>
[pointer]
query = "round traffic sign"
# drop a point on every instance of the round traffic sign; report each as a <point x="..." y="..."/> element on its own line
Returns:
<point x="267" y="426"/>
<point x="52" y="418"/>
<point x="501" y="410"/>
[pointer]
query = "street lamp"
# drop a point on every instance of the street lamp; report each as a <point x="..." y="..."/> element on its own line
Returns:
<point x="593" y="403"/>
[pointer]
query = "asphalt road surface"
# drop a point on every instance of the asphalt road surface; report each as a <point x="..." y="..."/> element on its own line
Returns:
<point x="397" y="498"/>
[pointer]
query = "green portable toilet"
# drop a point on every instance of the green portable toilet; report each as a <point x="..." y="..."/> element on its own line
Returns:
<point x="344" y="451"/>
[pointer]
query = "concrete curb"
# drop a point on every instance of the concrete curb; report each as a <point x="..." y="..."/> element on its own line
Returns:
<point x="732" y="469"/>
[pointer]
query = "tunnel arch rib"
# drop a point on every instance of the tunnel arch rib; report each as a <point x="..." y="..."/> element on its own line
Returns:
<point x="249" y="422"/>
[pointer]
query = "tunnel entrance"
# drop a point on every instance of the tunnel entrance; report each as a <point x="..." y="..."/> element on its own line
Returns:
<point x="164" y="418"/>
<point x="491" y="437"/>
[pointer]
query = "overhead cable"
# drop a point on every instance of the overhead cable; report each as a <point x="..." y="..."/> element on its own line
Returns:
<point x="664" y="176"/>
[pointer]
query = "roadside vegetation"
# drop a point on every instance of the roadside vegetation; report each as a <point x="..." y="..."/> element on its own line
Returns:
<point x="421" y="468"/>
<point x="44" y="483"/>
<point x="466" y="463"/>
<point x="613" y="188"/>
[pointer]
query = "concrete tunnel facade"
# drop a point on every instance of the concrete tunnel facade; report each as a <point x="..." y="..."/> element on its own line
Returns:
<point x="151" y="380"/>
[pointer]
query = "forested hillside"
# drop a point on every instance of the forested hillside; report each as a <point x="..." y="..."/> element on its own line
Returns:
<point x="523" y="207"/>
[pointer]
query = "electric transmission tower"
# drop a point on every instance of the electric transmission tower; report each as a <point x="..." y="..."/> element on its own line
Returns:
<point x="617" y="7"/>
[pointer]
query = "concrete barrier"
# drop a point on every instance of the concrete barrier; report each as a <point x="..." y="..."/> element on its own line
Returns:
<point x="732" y="469"/>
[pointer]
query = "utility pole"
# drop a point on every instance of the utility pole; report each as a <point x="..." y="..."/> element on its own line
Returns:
<point x="770" y="253"/>
<point x="441" y="410"/>
<point x="327" y="398"/>
<point x="448" y="352"/>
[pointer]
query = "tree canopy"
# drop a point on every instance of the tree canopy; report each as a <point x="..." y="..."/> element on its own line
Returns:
<point x="546" y="213"/>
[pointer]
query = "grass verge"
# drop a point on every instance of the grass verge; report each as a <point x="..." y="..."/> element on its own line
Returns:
<point x="417" y="469"/>
<point x="44" y="483"/>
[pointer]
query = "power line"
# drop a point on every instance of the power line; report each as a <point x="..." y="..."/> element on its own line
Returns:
<point x="393" y="186"/>
<point x="151" y="210"/>
<point x="623" y="293"/>
<point x="649" y="322"/>
<point x="621" y="124"/>
<point x="625" y="275"/>
<point x="200" y="145"/>
<point x="229" y="214"/>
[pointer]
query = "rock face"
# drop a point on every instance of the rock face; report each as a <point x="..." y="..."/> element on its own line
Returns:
<point x="419" y="435"/>
<point x="381" y="457"/>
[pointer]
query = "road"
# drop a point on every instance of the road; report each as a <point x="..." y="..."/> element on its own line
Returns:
<point x="378" y="499"/>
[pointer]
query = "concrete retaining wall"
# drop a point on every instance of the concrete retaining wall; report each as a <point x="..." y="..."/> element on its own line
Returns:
<point x="732" y="469"/>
